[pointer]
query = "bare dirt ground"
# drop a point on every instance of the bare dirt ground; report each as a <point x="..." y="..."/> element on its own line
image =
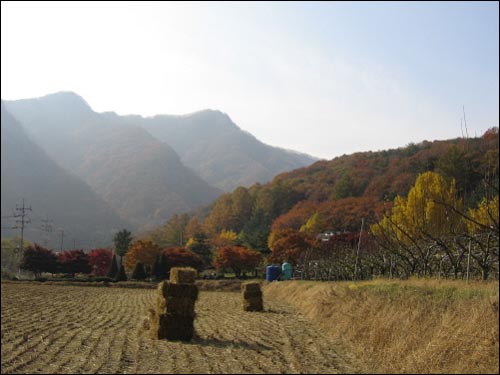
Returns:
<point x="71" y="329"/>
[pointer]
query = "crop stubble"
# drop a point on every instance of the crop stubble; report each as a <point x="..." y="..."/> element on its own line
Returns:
<point x="71" y="329"/>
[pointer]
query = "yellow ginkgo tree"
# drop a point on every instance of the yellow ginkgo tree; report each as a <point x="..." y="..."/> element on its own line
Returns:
<point x="417" y="224"/>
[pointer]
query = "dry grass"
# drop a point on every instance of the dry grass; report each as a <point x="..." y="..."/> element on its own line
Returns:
<point x="414" y="326"/>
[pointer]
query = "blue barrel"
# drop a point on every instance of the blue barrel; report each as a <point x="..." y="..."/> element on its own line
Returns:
<point x="272" y="273"/>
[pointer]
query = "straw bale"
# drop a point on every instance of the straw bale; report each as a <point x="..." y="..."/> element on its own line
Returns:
<point x="182" y="275"/>
<point x="180" y="306"/>
<point x="173" y="327"/>
<point x="168" y="289"/>
<point x="161" y="305"/>
<point x="252" y="294"/>
<point x="250" y="286"/>
<point x="253" y="305"/>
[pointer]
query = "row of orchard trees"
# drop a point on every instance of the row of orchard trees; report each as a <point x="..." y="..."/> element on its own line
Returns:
<point x="427" y="233"/>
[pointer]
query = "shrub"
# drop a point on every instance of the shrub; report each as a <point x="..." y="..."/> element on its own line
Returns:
<point x="38" y="259"/>
<point x="139" y="272"/>
<point x="113" y="268"/>
<point x="121" y="276"/>
<point x="74" y="261"/>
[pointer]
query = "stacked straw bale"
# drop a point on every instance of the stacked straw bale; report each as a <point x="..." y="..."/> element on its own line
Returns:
<point x="182" y="275"/>
<point x="173" y="316"/>
<point x="252" y="297"/>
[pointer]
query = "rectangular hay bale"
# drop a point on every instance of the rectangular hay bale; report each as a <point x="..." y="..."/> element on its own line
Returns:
<point x="182" y="275"/>
<point x="168" y="289"/>
<point x="250" y="286"/>
<point x="180" y="306"/>
<point x="253" y="305"/>
<point x="252" y="294"/>
<point x="173" y="327"/>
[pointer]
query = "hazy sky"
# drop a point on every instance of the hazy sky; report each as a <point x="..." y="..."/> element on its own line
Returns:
<point x="322" y="78"/>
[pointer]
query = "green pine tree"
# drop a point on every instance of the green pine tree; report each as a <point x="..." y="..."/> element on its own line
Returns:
<point x="164" y="267"/>
<point x="122" y="240"/>
<point x="156" y="270"/>
<point x="121" y="276"/>
<point x="139" y="273"/>
<point x="113" y="268"/>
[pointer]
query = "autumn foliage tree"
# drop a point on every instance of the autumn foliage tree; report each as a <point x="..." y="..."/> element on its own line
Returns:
<point x="100" y="261"/>
<point x="141" y="251"/>
<point x="199" y="245"/>
<point x="429" y="215"/>
<point x="236" y="258"/>
<point x="182" y="257"/>
<point x="74" y="261"/>
<point x="289" y="245"/>
<point x="38" y="259"/>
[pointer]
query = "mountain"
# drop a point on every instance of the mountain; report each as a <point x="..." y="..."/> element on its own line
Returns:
<point x="140" y="177"/>
<point x="28" y="172"/>
<point x="210" y="143"/>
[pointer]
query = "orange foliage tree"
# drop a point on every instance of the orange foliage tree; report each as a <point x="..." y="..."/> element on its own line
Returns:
<point x="141" y="251"/>
<point x="236" y="258"/>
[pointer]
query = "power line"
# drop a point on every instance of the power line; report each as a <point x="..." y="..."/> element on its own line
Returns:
<point x="62" y="238"/>
<point x="22" y="221"/>
<point x="47" y="228"/>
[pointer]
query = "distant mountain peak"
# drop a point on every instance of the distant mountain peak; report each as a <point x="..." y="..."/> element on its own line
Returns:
<point x="66" y="98"/>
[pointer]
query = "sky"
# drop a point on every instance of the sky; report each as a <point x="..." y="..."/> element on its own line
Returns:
<point x="324" y="78"/>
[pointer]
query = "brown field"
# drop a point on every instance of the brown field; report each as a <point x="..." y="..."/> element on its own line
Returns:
<point x="74" y="329"/>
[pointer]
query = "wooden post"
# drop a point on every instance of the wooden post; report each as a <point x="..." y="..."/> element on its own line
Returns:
<point x="357" y="251"/>
<point x="468" y="262"/>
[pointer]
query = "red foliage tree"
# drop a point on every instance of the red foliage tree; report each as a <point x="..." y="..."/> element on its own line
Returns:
<point x="38" y="259"/>
<point x="296" y="217"/>
<point x="74" y="261"/>
<point x="237" y="258"/>
<point x="182" y="257"/>
<point x="291" y="246"/>
<point x="100" y="261"/>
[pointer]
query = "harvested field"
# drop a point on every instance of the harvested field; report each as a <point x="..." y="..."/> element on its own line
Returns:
<point x="73" y="329"/>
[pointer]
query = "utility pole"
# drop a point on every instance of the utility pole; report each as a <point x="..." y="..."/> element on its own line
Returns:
<point x="47" y="228"/>
<point x="62" y="238"/>
<point x="22" y="221"/>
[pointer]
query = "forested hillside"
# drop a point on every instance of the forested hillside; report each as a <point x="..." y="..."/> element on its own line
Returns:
<point x="303" y="213"/>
